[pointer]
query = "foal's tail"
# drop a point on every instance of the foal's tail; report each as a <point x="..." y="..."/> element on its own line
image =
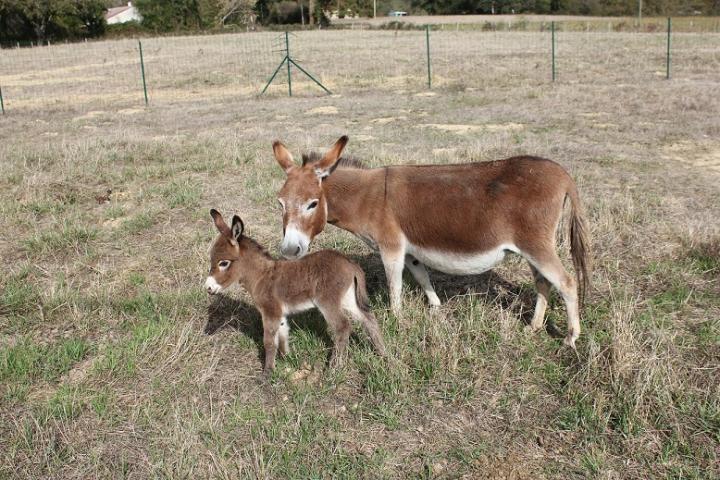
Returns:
<point x="368" y="320"/>
<point x="361" y="295"/>
<point x="579" y="245"/>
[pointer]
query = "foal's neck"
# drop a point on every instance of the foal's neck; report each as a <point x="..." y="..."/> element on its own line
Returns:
<point x="256" y="264"/>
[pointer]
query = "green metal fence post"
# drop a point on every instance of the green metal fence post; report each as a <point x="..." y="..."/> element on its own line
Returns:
<point x="427" y="47"/>
<point x="142" y="72"/>
<point x="667" y="62"/>
<point x="2" y="102"/>
<point x="552" y="39"/>
<point x="289" y="60"/>
<point x="310" y="76"/>
<point x="287" y="49"/>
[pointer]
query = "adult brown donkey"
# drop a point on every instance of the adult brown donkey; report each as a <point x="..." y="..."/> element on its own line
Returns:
<point x="459" y="219"/>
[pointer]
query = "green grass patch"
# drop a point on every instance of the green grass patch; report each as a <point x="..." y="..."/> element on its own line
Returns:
<point x="30" y="361"/>
<point x="45" y="207"/>
<point x="67" y="403"/>
<point x="182" y="194"/>
<point x="146" y="318"/>
<point x="114" y="211"/>
<point x="62" y="238"/>
<point x="139" y="223"/>
<point x="19" y="296"/>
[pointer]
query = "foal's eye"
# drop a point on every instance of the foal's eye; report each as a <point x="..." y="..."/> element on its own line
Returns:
<point x="282" y="205"/>
<point x="312" y="205"/>
<point x="223" y="264"/>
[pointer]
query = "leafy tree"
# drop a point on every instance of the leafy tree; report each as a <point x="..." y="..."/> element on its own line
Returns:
<point x="165" y="15"/>
<point x="22" y="20"/>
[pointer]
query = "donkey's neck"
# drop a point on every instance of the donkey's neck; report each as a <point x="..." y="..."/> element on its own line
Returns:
<point x="347" y="191"/>
<point x="256" y="264"/>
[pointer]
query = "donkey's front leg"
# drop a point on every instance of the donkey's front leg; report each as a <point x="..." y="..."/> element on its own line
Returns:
<point x="271" y="330"/>
<point x="423" y="279"/>
<point x="394" y="262"/>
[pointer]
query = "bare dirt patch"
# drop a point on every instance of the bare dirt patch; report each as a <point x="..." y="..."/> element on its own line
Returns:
<point x="462" y="129"/>
<point x="704" y="157"/>
<point x="327" y="110"/>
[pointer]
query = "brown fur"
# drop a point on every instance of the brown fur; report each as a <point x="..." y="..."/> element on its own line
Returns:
<point x="459" y="210"/>
<point x="280" y="288"/>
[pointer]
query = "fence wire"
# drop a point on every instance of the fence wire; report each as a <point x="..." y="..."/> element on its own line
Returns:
<point x="202" y="68"/>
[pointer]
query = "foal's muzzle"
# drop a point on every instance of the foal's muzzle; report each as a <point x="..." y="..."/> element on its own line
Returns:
<point x="211" y="286"/>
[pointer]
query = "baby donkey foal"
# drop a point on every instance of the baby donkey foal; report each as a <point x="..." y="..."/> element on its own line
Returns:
<point x="326" y="280"/>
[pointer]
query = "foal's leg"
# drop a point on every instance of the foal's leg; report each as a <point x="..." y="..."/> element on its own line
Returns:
<point x="271" y="328"/>
<point x="340" y="326"/>
<point x="393" y="261"/>
<point x="543" y="290"/>
<point x="366" y="319"/>
<point x="421" y="276"/>
<point x="284" y="337"/>
<point x="550" y="267"/>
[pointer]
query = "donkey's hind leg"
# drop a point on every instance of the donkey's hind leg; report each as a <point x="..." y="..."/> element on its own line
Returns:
<point x="543" y="295"/>
<point x="420" y="273"/>
<point x="548" y="264"/>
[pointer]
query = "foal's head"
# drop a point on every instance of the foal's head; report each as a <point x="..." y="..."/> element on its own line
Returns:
<point x="302" y="199"/>
<point x="224" y="254"/>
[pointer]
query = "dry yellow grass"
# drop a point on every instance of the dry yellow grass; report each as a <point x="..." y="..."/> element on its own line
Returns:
<point x="114" y="363"/>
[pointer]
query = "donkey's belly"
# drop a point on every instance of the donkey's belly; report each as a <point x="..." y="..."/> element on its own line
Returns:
<point x="460" y="263"/>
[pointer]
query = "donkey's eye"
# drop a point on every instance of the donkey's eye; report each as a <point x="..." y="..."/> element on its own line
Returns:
<point x="312" y="205"/>
<point x="224" y="264"/>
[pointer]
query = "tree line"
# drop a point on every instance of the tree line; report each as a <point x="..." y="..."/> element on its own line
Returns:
<point x="569" y="7"/>
<point x="46" y="20"/>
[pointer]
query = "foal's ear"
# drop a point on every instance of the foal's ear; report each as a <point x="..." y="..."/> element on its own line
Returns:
<point x="220" y="223"/>
<point x="237" y="228"/>
<point x="328" y="162"/>
<point x="283" y="156"/>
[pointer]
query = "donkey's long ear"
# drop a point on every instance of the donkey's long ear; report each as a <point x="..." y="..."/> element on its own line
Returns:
<point x="283" y="156"/>
<point x="238" y="227"/>
<point x="328" y="162"/>
<point x="220" y="223"/>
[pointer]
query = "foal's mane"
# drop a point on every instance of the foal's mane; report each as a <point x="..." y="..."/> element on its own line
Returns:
<point x="259" y="248"/>
<point x="344" y="162"/>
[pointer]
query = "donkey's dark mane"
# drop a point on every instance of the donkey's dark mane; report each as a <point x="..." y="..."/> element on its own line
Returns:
<point x="344" y="162"/>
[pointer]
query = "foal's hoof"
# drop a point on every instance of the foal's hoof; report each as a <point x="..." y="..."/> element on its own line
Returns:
<point x="530" y="328"/>
<point x="337" y="363"/>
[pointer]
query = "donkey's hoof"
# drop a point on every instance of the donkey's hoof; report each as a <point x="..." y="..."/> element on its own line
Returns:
<point x="570" y="341"/>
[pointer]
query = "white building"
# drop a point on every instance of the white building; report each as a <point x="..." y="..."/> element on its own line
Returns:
<point x="123" y="14"/>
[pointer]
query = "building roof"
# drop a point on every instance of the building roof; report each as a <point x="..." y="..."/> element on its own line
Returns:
<point x="116" y="11"/>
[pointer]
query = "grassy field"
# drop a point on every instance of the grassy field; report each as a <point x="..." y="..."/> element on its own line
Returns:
<point x="115" y="364"/>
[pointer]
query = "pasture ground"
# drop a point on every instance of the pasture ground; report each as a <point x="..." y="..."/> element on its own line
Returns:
<point x="114" y="363"/>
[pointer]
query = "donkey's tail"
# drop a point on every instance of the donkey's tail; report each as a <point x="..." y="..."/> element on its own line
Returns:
<point x="361" y="295"/>
<point x="579" y="245"/>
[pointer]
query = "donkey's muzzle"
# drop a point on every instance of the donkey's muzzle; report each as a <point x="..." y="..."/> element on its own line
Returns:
<point x="295" y="244"/>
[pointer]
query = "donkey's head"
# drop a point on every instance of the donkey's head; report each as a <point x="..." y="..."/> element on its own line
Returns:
<point x="302" y="199"/>
<point x="224" y="254"/>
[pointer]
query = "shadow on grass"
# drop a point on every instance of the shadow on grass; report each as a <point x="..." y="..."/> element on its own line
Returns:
<point x="489" y="287"/>
<point x="228" y="312"/>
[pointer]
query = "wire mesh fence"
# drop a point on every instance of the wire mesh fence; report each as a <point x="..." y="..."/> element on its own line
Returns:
<point x="110" y="73"/>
